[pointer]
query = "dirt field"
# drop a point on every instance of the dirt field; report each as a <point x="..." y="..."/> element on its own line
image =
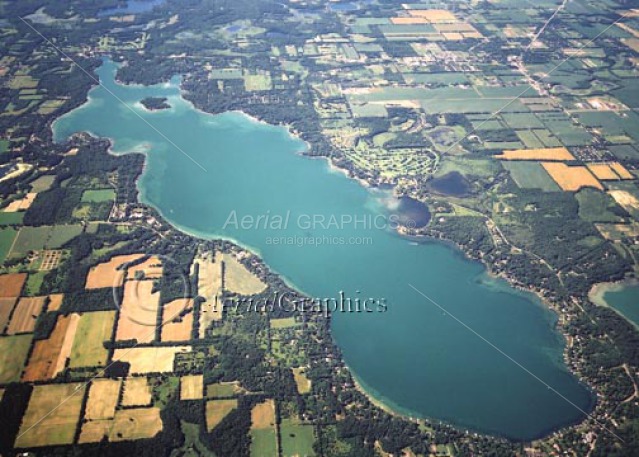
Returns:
<point x="13" y="354"/>
<point x="216" y="410"/>
<point x="137" y="392"/>
<point x="434" y="16"/>
<point x="603" y="171"/>
<point x="149" y="360"/>
<point x="571" y="179"/>
<point x="21" y="204"/>
<point x="192" y="387"/>
<point x="238" y="279"/>
<point x="107" y="274"/>
<point x="151" y="268"/>
<point x="88" y="346"/>
<point x="47" y="421"/>
<point x="625" y="199"/>
<point x="548" y="154"/>
<point x="55" y="301"/>
<point x="138" y="312"/>
<point x="621" y="171"/>
<point x="25" y="315"/>
<point x="263" y="415"/>
<point x="49" y="356"/>
<point x="103" y="399"/>
<point x="95" y="431"/>
<point x="136" y="424"/>
<point x="11" y="284"/>
<point x="6" y="306"/>
<point x="303" y="383"/>
<point x="177" y="320"/>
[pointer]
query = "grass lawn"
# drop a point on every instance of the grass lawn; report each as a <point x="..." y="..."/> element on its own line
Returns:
<point x="297" y="439"/>
<point x="98" y="196"/>
<point x="595" y="206"/>
<point x="34" y="282"/>
<point x="287" y="322"/>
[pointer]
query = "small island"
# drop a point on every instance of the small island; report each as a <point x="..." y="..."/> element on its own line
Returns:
<point x="155" y="103"/>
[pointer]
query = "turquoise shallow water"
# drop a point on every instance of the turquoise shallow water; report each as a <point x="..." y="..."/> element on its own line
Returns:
<point x="415" y="357"/>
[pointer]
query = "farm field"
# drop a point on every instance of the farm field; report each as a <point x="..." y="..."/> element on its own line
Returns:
<point x="150" y="268"/>
<point x="7" y="237"/>
<point x="13" y="355"/>
<point x="103" y="399"/>
<point x="138" y="312"/>
<point x="297" y="438"/>
<point x="238" y="279"/>
<point x="145" y="360"/>
<point x="286" y="322"/>
<point x="25" y="315"/>
<point x="98" y="196"/>
<point x="6" y="306"/>
<point x="177" y="320"/>
<point x="108" y="274"/>
<point x="55" y="301"/>
<point x="11" y="284"/>
<point x="135" y="424"/>
<point x="546" y="154"/>
<point x="263" y="431"/>
<point x="301" y="380"/>
<point x="223" y="389"/>
<point x="596" y="206"/>
<point x="570" y="178"/>
<point x="94" y="329"/>
<point x="216" y="410"/>
<point x="39" y="238"/>
<point x="530" y="175"/>
<point x="192" y="387"/>
<point x="47" y="421"/>
<point x="49" y="356"/>
<point x="137" y="391"/>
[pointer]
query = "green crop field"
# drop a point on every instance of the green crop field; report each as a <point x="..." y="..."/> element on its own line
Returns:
<point x="531" y="175"/>
<point x="7" y="236"/>
<point x="98" y="196"/>
<point x="14" y="218"/>
<point x="263" y="442"/>
<point x="595" y="206"/>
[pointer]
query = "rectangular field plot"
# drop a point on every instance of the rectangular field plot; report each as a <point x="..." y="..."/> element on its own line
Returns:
<point x="192" y="387"/>
<point x="94" y="329"/>
<point x="25" y="314"/>
<point x="103" y="399"/>
<point x="6" y="306"/>
<point x="109" y="274"/>
<point x="48" y="421"/>
<point x="223" y="389"/>
<point x="13" y="355"/>
<point x="531" y="175"/>
<point x="149" y="360"/>
<point x="177" y="320"/>
<point x="137" y="392"/>
<point x="98" y="196"/>
<point x="547" y="154"/>
<point x="571" y="178"/>
<point x="216" y="410"/>
<point x="297" y="438"/>
<point x="135" y="424"/>
<point x="11" y="284"/>
<point x="138" y="313"/>
<point x="263" y="433"/>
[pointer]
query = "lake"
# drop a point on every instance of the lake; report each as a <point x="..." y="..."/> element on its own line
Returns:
<point x="414" y="357"/>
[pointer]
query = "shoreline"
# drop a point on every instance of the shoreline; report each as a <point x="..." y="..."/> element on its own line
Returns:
<point x="333" y="167"/>
<point x="598" y="290"/>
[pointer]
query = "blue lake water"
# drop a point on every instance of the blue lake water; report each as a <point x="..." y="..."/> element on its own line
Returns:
<point x="414" y="357"/>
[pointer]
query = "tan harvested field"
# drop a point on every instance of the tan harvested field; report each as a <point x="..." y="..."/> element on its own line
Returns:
<point x="621" y="171"/>
<point x="216" y="410"/>
<point x="55" y="301"/>
<point x="434" y="16"/>
<point x="547" y="154"/>
<point x="238" y="279"/>
<point x="25" y="315"/>
<point x="301" y="380"/>
<point x="6" y="306"/>
<point x="21" y="204"/>
<point x="137" y="392"/>
<point x="625" y="199"/>
<point x="149" y="360"/>
<point x="103" y="399"/>
<point x="138" y="312"/>
<point x="13" y="354"/>
<point x="11" y="284"/>
<point x="571" y="179"/>
<point x="94" y="329"/>
<point x="192" y="387"/>
<point x="603" y="171"/>
<point x="49" y="356"/>
<point x="263" y="415"/>
<point x="151" y="268"/>
<point x="136" y="424"/>
<point x="107" y="274"/>
<point x="209" y="286"/>
<point x="177" y="320"/>
<point x="95" y="431"/>
<point x="48" y="421"/>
